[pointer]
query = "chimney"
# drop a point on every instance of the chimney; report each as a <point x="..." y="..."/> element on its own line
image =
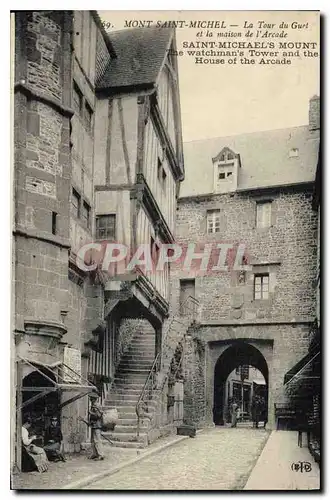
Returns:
<point x="314" y="113"/>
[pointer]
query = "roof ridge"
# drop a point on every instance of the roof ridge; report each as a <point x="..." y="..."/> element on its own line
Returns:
<point x="245" y="133"/>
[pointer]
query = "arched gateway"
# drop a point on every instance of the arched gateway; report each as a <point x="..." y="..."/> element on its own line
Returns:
<point x="236" y="354"/>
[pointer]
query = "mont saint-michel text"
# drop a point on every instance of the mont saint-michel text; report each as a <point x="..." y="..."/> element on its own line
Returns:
<point x="134" y="23"/>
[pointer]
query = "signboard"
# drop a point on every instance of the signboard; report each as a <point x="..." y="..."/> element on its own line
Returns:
<point x="72" y="358"/>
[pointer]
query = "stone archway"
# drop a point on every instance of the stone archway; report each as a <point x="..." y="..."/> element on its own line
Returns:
<point x="43" y="408"/>
<point x="236" y="354"/>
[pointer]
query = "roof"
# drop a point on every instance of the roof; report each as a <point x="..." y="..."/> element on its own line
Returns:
<point x="140" y="55"/>
<point x="264" y="156"/>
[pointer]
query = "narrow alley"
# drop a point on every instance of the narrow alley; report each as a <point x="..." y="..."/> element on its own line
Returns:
<point x="217" y="459"/>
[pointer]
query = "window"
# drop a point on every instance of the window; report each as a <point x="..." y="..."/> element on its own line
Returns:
<point x="54" y="215"/>
<point x="154" y="251"/>
<point x="106" y="227"/>
<point x="187" y="289"/>
<point x="213" y="221"/>
<point x="88" y="116"/>
<point x="77" y="99"/>
<point x="264" y="214"/>
<point x="221" y="175"/>
<point x="261" y="286"/>
<point x="85" y="214"/>
<point x="229" y="174"/>
<point x="75" y="203"/>
<point x="161" y="174"/>
<point x="230" y="156"/>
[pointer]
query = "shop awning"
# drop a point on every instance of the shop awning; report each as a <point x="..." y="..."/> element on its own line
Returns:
<point x="302" y="369"/>
<point x="62" y="378"/>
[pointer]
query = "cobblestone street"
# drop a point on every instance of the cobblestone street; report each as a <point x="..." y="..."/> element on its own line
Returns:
<point x="217" y="459"/>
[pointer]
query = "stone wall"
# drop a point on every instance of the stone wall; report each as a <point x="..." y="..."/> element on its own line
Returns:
<point x="287" y="250"/>
<point x="278" y="327"/>
<point x="42" y="165"/>
<point x="194" y="388"/>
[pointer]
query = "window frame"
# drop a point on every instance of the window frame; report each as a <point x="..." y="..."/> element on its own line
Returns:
<point x="76" y="195"/>
<point x="88" y="116"/>
<point x="86" y="220"/>
<point x="161" y="173"/>
<point x="76" y="90"/>
<point x="263" y="204"/>
<point x="111" y="216"/>
<point x="214" y="222"/>
<point x="263" y="282"/>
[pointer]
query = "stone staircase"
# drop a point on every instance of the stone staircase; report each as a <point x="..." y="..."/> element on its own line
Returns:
<point x="130" y="378"/>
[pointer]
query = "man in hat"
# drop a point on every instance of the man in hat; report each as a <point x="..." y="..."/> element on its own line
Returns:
<point x="95" y="422"/>
<point x="53" y="440"/>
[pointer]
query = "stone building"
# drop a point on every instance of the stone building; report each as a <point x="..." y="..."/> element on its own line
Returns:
<point x="251" y="192"/>
<point x="98" y="159"/>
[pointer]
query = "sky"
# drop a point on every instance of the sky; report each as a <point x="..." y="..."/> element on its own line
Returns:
<point x="219" y="100"/>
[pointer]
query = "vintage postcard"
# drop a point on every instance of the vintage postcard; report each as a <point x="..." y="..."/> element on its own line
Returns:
<point x="166" y="250"/>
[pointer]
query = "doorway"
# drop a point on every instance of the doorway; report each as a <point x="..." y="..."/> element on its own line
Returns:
<point x="237" y="354"/>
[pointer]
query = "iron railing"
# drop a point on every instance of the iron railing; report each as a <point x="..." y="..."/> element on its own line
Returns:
<point x="154" y="384"/>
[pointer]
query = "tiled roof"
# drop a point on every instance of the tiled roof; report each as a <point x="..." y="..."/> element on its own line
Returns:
<point x="265" y="159"/>
<point x="140" y="54"/>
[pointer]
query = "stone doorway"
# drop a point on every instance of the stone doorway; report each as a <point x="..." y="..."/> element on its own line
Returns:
<point x="236" y="354"/>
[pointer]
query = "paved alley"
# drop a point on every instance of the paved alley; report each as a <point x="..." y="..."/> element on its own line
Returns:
<point x="217" y="459"/>
<point x="279" y="465"/>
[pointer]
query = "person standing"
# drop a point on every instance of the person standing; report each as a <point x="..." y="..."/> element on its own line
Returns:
<point x="234" y="412"/>
<point x="95" y="422"/>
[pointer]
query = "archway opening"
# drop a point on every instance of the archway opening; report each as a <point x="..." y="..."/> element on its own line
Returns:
<point x="250" y="371"/>
<point x="41" y="410"/>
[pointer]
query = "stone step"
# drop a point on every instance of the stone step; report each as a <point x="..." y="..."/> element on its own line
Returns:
<point x="122" y="397"/>
<point x="127" y="421"/>
<point x="123" y="409"/>
<point x="130" y="377"/>
<point x="123" y="402"/>
<point x="135" y="359"/>
<point x="127" y="390"/>
<point x="131" y="429"/>
<point x="144" y="359"/>
<point x="141" y="346"/>
<point x="135" y="365"/>
<point x="134" y="370"/>
<point x="140" y="351"/>
<point x="122" y="444"/>
<point x="127" y="437"/>
<point x="130" y="386"/>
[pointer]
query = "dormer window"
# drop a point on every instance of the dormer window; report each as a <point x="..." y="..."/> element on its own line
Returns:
<point x="225" y="166"/>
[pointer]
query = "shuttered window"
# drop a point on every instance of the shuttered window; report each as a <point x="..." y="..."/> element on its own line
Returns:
<point x="263" y="216"/>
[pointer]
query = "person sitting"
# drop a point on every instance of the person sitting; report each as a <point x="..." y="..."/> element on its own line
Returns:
<point x="53" y="441"/>
<point x="36" y="453"/>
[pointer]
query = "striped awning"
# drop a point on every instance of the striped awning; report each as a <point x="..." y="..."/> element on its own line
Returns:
<point x="303" y="369"/>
